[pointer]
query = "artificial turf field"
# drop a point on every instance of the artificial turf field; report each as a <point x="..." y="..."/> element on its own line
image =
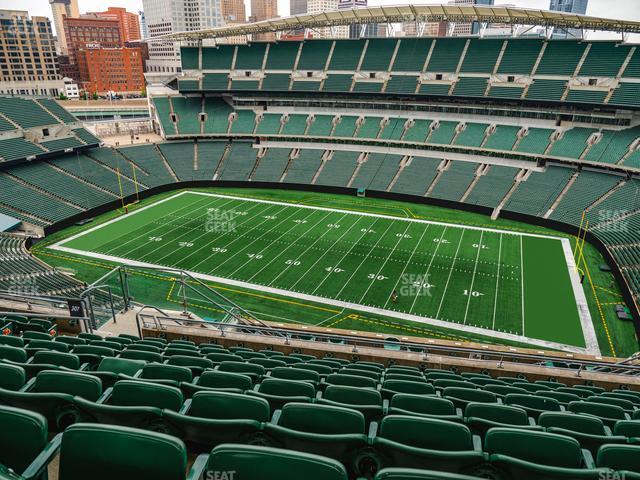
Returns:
<point x="476" y="279"/>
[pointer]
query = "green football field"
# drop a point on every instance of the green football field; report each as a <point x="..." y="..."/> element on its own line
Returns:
<point x="519" y="287"/>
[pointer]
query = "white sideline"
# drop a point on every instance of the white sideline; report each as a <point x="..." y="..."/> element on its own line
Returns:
<point x="588" y="330"/>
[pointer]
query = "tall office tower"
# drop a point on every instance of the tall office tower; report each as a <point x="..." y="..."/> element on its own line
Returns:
<point x="234" y="11"/>
<point x="61" y="9"/>
<point x="297" y="7"/>
<point x="144" y="31"/>
<point x="320" y="6"/>
<point x="172" y="16"/>
<point x="129" y="22"/>
<point x="264" y="10"/>
<point x="357" y="31"/>
<point x="463" y="29"/>
<point x="569" y="6"/>
<point x="28" y="50"/>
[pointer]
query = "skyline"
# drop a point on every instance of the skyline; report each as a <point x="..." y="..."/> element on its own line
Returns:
<point x="620" y="9"/>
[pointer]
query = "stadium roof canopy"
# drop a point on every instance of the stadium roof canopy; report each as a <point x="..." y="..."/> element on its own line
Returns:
<point x="412" y="13"/>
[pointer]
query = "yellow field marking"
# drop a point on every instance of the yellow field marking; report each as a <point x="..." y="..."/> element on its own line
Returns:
<point x="602" y="317"/>
<point x="611" y="292"/>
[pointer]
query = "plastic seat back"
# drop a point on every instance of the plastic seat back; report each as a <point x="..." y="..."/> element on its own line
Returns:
<point x="352" y="395"/>
<point x="403" y="386"/>
<point x="11" y="341"/>
<point x="187" y="361"/>
<point x="229" y="406"/>
<point x="627" y="428"/>
<point x="122" y="366"/>
<point x="321" y="419"/>
<point x="537" y="447"/>
<point x="619" y="457"/>
<point x="497" y="413"/>
<point x="239" y="367"/>
<point x="443" y="435"/>
<point x="158" y="371"/>
<point x="129" y="393"/>
<point x="571" y="421"/>
<point x="48" y="345"/>
<point x="22" y="437"/>
<point x="350" y="380"/>
<point x="141" y="355"/>
<point x="67" y="360"/>
<point x="218" y="379"/>
<point x="106" y="452"/>
<point x="427" y="405"/>
<point x="12" y="377"/>
<point x="71" y="383"/>
<point x="14" y="354"/>
<point x="598" y="409"/>
<point x="292" y="373"/>
<point x="287" y="388"/>
<point x="273" y="463"/>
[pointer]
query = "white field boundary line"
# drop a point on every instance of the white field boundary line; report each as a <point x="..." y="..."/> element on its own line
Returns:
<point x="310" y="207"/>
<point x="338" y="303"/>
<point x="588" y="330"/>
<point x="585" y="316"/>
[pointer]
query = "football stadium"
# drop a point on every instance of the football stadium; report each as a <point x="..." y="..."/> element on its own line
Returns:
<point x="342" y="258"/>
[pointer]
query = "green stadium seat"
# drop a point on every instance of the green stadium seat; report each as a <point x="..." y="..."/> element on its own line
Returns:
<point x="433" y="376"/>
<point x="360" y="373"/>
<point x="627" y="428"/>
<point x="218" y="380"/>
<point x="92" y="355"/>
<point x="255" y="372"/>
<point x="13" y="354"/>
<point x="196" y="364"/>
<point x="588" y="430"/>
<point x="402" y="441"/>
<point x="218" y="357"/>
<point x="105" y="452"/>
<point x="272" y="463"/>
<point x="166" y="374"/>
<point x="481" y="417"/>
<point x="279" y="392"/>
<point x="134" y="404"/>
<point x="59" y="359"/>
<point x="12" y="377"/>
<point x="90" y="336"/>
<point x="111" y="369"/>
<point x="142" y="347"/>
<point x="392" y="387"/>
<point x="349" y="380"/>
<point x="322" y="370"/>
<point x="407" y="378"/>
<point x="527" y="455"/>
<point x="626" y="405"/>
<point x="624" y="459"/>
<point x="563" y="398"/>
<point x="213" y="418"/>
<point x="131" y="354"/>
<point x="11" y="341"/>
<point x="367" y="401"/>
<point x="330" y="431"/>
<point x="461" y="397"/>
<point x="424" y="405"/>
<point x="532" y="404"/>
<point x="53" y="394"/>
<point x="292" y="373"/>
<point x="23" y="435"/>
<point x="609" y="414"/>
<point x="268" y="363"/>
<point x="416" y="474"/>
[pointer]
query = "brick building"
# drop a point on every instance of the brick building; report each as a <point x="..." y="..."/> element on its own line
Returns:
<point x="129" y="22"/>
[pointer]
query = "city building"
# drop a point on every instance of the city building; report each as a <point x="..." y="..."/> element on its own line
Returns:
<point x="143" y="25"/>
<point x="163" y="17"/>
<point x="101" y="59"/>
<point x="29" y="57"/>
<point x="61" y="9"/>
<point x="71" y="89"/>
<point x="320" y="6"/>
<point x="463" y="29"/>
<point x="99" y="32"/>
<point x="297" y="7"/>
<point x="129" y="22"/>
<point x="234" y="11"/>
<point x="357" y="31"/>
<point x="105" y="70"/>
<point x="569" y="6"/>
<point x="263" y="10"/>
<point x="429" y="29"/>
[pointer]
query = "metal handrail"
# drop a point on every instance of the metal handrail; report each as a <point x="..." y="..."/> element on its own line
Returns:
<point x="579" y="365"/>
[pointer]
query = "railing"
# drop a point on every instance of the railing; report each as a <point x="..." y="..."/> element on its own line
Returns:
<point x="162" y="322"/>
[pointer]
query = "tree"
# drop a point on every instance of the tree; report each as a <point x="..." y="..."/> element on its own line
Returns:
<point x="95" y="96"/>
<point x="62" y="96"/>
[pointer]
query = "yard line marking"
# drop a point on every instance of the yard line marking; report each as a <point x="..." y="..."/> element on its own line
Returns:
<point x="426" y="275"/>
<point x="365" y="258"/>
<point x="284" y="270"/>
<point x="522" y="282"/>
<point x="238" y="237"/>
<point x="169" y="232"/>
<point x="339" y="303"/>
<point x="455" y="258"/>
<point x="272" y="241"/>
<point x="288" y="246"/>
<point x="495" y="300"/>
<point x="344" y="256"/>
<point x="329" y="250"/>
<point x="248" y="219"/>
<point x="473" y="278"/>
<point x="404" y="269"/>
<point x="384" y="263"/>
<point x="147" y="232"/>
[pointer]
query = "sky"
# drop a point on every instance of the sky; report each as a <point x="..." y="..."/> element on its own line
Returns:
<point x="621" y="9"/>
